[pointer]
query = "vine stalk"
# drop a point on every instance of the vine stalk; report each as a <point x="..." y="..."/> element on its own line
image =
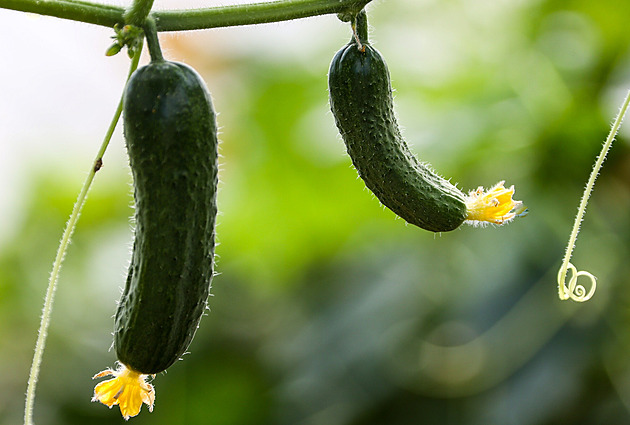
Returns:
<point x="61" y="250"/>
<point x="189" y="19"/>
<point x="138" y="12"/>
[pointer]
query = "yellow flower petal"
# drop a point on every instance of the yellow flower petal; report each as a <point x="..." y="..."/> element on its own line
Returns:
<point x="493" y="206"/>
<point x="128" y="389"/>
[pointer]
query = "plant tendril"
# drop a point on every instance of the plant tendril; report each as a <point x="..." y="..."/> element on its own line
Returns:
<point x="573" y="290"/>
<point x="61" y="250"/>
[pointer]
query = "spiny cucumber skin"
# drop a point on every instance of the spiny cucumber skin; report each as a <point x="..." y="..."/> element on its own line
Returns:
<point x="171" y="136"/>
<point x="361" y="102"/>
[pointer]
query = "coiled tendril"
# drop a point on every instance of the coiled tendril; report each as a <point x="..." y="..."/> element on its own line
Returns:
<point x="573" y="290"/>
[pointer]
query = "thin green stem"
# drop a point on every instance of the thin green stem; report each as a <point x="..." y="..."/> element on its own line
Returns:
<point x="92" y="4"/>
<point x="152" y="40"/>
<point x="61" y="250"/>
<point x="360" y="30"/>
<point x="82" y="11"/>
<point x="138" y="12"/>
<point x="249" y="14"/>
<point x="192" y="19"/>
<point x="573" y="290"/>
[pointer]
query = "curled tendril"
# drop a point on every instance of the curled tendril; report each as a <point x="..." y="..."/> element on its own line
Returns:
<point x="572" y="290"/>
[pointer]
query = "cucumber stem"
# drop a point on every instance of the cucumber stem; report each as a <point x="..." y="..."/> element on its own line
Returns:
<point x="153" y="42"/>
<point x="360" y="30"/>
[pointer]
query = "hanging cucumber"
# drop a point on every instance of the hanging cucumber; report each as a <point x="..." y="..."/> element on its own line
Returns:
<point x="361" y="102"/>
<point x="172" y="143"/>
<point x="171" y="137"/>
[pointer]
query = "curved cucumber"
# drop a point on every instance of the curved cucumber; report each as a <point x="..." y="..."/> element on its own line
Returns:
<point x="362" y="104"/>
<point x="171" y="137"/>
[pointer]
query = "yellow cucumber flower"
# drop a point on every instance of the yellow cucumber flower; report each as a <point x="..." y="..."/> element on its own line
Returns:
<point x="493" y="206"/>
<point x="128" y="389"/>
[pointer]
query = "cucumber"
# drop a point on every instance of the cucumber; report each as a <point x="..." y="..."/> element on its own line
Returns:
<point x="171" y="137"/>
<point x="361" y="101"/>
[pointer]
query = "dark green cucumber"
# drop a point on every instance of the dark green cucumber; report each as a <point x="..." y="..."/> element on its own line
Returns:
<point x="362" y="104"/>
<point x="171" y="136"/>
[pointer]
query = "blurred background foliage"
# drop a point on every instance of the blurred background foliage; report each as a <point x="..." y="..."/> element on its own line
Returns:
<point x="327" y="309"/>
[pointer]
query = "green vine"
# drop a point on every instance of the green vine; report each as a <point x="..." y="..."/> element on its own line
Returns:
<point x="138" y="12"/>
<point x="183" y="20"/>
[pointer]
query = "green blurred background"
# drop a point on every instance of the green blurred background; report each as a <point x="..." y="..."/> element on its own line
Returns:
<point x="327" y="309"/>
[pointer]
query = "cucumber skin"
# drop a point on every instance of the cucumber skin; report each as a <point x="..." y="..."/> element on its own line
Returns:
<point x="361" y="101"/>
<point x="171" y="137"/>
